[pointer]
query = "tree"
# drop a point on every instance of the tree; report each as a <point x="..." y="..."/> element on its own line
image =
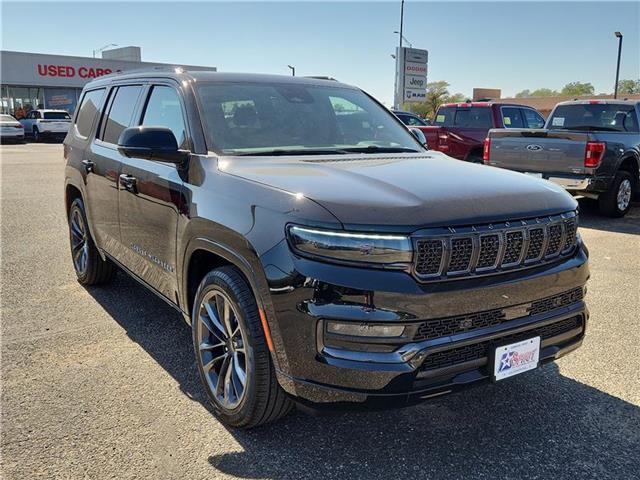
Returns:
<point x="523" y="94"/>
<point x="576" y="89"/>
<point x="629" y="87"/>
<point x="544" y="92"/>
<point x="437" y="94"/>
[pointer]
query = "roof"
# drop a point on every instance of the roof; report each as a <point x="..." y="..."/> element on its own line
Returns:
<point x="179" y="74"/>
<point x="600" y="102"/>
<point x="482" y="104"/>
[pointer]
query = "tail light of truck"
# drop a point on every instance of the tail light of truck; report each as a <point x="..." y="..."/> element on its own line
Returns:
<point x="486" y="149"/>
<point x="594" y="153"/>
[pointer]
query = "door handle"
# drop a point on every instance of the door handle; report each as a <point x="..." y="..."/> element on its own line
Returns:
<point x="88" y="165"/>
<point x="129" y="182"/>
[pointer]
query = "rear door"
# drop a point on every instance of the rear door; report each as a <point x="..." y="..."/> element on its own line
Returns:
<point x="469" y="130"/>
<point x="103" y="162"/>
<point x="151" y="197"/>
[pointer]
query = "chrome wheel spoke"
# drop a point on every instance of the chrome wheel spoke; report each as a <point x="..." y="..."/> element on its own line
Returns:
<point x="211" y="363"/>
<point x="221" y="349"/>
<point x="212" y="323"/>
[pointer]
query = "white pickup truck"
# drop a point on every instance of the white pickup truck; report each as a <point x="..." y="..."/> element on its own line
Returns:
<point x="43" y="123"/>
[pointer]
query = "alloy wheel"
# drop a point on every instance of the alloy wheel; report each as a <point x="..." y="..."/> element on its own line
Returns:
<point x="79" y="241"/>
<point x="624" y="194"/>
<point x="222" y="348"/>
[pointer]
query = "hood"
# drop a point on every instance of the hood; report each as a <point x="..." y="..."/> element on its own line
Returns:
<point x="406" y="191"/>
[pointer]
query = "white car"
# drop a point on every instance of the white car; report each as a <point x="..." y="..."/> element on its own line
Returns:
<point x="10" y="129"/>
<point x="46" y="123"/>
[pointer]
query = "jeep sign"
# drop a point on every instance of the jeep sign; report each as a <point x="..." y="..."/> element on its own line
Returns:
<point x="411" y="76"/>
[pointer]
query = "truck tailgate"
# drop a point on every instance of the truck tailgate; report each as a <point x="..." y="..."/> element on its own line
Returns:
<point x="538" y="151"/>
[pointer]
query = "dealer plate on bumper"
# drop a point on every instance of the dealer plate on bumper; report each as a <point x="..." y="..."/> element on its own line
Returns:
<point x="515" y="358"/>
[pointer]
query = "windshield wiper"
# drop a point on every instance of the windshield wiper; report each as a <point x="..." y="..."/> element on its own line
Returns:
<point x="301" y="151"/>
<point x="379" y="149"/>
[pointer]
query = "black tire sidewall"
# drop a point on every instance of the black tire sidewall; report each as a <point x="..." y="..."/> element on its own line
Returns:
<point x="234" y="288"/>
<point x="609" y="201"/>
<point x="36" y="134"/>
<point x="78" y="204"/>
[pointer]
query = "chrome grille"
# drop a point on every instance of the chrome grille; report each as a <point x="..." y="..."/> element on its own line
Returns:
<point x="485" y="249"/>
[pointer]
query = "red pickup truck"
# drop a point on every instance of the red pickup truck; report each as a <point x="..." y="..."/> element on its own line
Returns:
<point x="459" y="129"/>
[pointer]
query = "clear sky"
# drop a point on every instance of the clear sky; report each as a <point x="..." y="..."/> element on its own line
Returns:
<point x="508" y="45"/>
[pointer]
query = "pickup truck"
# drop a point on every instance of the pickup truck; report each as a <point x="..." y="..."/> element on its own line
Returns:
<point x="459" y="129"/>
<point x="589" y="147"/>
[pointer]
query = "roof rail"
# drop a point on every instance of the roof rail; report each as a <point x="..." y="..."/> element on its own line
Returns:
<point x="321" y="77"/>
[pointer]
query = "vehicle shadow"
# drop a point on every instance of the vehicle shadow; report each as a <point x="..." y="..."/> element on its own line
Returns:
<point x="591" y="218"/>
<point x="541" y="425"/>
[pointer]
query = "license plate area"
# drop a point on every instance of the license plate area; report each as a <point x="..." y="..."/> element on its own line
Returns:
<point x="514" y="358"/>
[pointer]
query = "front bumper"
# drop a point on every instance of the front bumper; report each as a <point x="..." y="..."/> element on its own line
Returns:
<point x="321" y="368"/>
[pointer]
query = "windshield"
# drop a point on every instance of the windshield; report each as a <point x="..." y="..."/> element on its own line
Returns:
<point x="272" y="118"/>
<point x="7" y="118"/>
<point x="56" y="116"/>
<point x="594" y="116"/>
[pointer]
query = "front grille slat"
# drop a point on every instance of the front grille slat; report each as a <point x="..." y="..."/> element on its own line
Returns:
<point x="443" y="327"/>
<point x="478" y="351"/>
<point x="481" y="250"/>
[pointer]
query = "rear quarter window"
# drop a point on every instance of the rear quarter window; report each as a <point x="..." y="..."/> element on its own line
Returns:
<point x="89" y="107"/>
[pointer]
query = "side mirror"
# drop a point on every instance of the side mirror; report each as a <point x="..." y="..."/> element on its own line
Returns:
<point x="151" y="143"/>
<point x="419" y="135"/>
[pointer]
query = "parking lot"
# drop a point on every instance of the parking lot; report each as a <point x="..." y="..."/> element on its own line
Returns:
<point x="101" y="382"/>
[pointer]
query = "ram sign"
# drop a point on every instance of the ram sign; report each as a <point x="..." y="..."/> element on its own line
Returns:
<point x="411" y="75"/>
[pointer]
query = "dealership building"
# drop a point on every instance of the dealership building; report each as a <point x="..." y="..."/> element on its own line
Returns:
<point x="36" y="80"/>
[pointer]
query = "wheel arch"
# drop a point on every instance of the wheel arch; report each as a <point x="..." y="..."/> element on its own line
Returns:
<point x="630" y="164"/>
<point x="203" y="255"/>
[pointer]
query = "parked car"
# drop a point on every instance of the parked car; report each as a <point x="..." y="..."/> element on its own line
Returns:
<point x="590" y="147"/>
<point x="10" y="129"/>
<point x="459" y="129"/>
<point x="410" y="119"/>
<point x="320" y="256"/>
<point x="44" y="123"/>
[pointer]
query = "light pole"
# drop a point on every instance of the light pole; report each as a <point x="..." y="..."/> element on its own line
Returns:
<point x="103" y="48"/>
<point x="405" y="39"/>
<point x="293" y="70"/>
<point x="615" y="89"/>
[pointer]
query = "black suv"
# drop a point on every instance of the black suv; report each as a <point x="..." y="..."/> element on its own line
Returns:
<point x="319" y="252"/>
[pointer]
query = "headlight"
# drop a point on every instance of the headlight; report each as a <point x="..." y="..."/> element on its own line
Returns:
<point x="373" y="249"/>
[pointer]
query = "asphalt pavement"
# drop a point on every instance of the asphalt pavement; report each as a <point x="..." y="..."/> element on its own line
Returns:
<point x="101" y="382"/>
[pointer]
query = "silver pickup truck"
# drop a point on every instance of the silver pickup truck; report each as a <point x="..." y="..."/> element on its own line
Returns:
<point x="591" y="148"/>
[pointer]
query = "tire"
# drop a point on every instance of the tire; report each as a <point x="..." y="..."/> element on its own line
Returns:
<point x="89" y="266"/>
<point x="36" y="135"/>
<point x="616" y="201"/>
<point x="260" y="400"/>
<point x="475" y="158"/>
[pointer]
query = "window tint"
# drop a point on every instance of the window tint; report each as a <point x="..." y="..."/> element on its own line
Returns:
<point x="120" y="113"/>
<point x="474" y="117"/>
<point x="594" y="116"/>
<point x="512" y="117"/>
<point x="444" y="116"/>
<point x="87" y="111"/>
<point x="532" y="118"/>
<point x="411" y="120"/>
<point x="56" y="116"/>
<point x="164" y="110"/>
